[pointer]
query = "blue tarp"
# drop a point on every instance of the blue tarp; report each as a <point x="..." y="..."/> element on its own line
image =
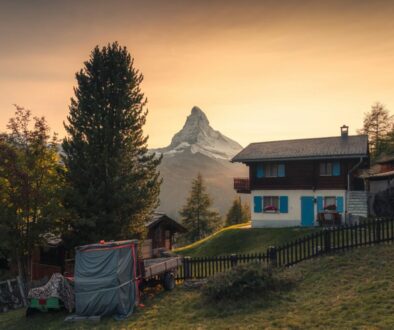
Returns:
<point x="105" y="279"/>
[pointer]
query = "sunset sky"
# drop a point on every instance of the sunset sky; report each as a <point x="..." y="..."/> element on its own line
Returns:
<point x="261" y="70"/>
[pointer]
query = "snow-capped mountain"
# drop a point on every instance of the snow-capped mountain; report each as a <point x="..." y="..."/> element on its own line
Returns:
<point x="197" y="136"/>
<point x="198" y="148"/>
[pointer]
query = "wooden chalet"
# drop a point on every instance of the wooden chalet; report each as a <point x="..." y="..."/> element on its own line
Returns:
<point x="302" y="182"/>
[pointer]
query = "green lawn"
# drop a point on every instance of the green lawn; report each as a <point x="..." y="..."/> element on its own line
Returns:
<point x="354" y="290"/>
<point x="236" y="239"/>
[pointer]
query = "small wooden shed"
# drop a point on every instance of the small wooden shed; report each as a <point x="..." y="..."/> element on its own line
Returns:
<point x="161" y="230"/>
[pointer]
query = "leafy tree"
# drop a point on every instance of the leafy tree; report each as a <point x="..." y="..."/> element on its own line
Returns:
<point x="114" y="182"/>
<point x="238" y="213"/>
<point x="196" y="214"/>
<point x="31" y="185"/>
<point x="378" y="123"/>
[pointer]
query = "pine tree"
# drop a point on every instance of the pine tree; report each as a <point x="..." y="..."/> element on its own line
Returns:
<point x="114" y="182"/>
<point x="238" y="213"/>
<point x="196" y="214"/>
<point x="378" y="123"/>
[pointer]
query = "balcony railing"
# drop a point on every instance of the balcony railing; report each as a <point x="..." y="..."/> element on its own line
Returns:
<point x="242" y="185"/>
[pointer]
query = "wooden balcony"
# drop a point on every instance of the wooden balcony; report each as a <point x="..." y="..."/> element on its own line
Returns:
<point x="242" y="185"/>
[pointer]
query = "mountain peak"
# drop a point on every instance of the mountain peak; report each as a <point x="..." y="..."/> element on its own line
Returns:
<point x="198" y="136"/>
<point x="197" y="112"/>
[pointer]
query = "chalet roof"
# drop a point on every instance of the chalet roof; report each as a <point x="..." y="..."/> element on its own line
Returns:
<point x="385" y="159"/>
<point x="381" y="176"/>
<point x="158" y="218"/>
<point x="354" y="146"/>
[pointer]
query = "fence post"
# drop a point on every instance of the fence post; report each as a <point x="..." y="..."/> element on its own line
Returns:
<point x="377" y="231"/>
<point x="327" y="241"/>
<point x="234" y="260"/>
<point x="186" y="268"/>
<point x="272" y="257"/>
<point x="22" y="290"/>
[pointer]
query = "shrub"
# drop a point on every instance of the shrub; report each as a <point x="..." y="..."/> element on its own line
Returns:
<point x="245" y="280"/>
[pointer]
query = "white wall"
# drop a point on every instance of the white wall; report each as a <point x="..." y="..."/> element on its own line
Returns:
<point x="293" y="217"/>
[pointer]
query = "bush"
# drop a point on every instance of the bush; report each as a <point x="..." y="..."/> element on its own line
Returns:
<point x="245" y="280"/>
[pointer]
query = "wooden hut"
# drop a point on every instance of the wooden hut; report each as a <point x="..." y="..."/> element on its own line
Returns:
<point x="161" y="230"/>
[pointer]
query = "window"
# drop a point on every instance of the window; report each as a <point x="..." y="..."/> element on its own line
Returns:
<point x="326" y="169"/>
<point x="271" y="203"/>
<point x="330" y="169"/>
<point x="330" y="203"/>
<point x="271" y="170"/>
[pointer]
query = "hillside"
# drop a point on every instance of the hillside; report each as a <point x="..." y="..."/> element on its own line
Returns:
<point x="347" y="291"/>
<point x="241" y="239"/>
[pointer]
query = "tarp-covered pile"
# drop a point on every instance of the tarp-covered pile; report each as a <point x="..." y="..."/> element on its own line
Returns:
<point x="56" y="287"/>
<point x="105" y="279"/>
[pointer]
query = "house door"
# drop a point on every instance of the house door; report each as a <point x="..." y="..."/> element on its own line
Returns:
<point x="307" y="211"/>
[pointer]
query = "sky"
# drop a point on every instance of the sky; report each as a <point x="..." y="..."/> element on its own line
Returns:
<point x="260" y="70"/>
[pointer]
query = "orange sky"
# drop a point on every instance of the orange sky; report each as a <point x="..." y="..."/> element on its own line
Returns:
<point x="260" y="70"/>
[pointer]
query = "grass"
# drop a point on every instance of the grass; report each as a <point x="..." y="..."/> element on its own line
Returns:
<point x="240" y="239"/>
<point x="354" y="290"/>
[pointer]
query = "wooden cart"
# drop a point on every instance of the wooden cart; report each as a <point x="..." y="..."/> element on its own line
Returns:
<point x="159" y="271"/>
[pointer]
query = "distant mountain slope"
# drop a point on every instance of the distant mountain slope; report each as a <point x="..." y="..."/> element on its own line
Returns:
<point x="198" y="136"/>
<point x="197" y="147"/>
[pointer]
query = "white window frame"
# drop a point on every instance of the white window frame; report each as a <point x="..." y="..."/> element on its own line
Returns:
<point x="270" y="198"/>
<point x="325" y="203"/>
<point x="271" y="170"/>
<point x="327" y="168"/>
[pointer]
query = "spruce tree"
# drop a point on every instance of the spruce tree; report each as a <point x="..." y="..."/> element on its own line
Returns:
<point x="378" y="125"/>
<point x="197" y="215"/>
<point x="113" y="180"/>
<point x="238" y="213"/>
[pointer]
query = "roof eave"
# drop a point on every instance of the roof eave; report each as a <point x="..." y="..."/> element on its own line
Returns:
<point x="254" y="160"/>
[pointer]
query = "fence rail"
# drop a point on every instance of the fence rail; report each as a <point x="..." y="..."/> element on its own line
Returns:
<point x="202" y="267"/>
<point x="326" y="241"/>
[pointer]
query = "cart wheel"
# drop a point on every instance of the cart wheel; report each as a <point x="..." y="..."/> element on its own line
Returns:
<point x="169" y="281"/>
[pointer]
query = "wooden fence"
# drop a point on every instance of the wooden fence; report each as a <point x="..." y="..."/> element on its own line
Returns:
<point x="202" y="267"/>
<point x="326" y="241"/>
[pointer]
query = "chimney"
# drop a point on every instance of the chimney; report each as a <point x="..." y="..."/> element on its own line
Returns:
<point x="344" y="131"/>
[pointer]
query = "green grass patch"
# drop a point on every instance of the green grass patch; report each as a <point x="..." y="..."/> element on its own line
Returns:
<point x="353" y="290"/>
<point x="238" y="239"/>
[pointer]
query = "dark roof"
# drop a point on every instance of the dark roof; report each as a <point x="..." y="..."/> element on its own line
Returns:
<point x="381" y="176"/>
<point x="316" y="148"/>
<point x="385" y="159"/>
<point x="158" y="218"/>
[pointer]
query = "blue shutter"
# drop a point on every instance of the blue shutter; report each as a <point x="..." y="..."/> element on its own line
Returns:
<point x="340" y="204"/>
<point x="281" y="170"/>
<point x="258" y="204"/>
<point x="283" y="204"/>
<point x="320" y="206"/>
<point x="260" y="171"/>
<point x="336" y="169"/>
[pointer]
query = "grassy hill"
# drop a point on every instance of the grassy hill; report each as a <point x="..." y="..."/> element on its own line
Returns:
<point x="354" y="290"/>
<point x="242" y="239"/>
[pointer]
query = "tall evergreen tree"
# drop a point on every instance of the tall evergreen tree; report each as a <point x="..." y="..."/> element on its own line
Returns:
<point x="238" y="213"/>
<point x="196" y="214"/>
<point x="378" y="123"/>
<point x="114" y="182"/>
